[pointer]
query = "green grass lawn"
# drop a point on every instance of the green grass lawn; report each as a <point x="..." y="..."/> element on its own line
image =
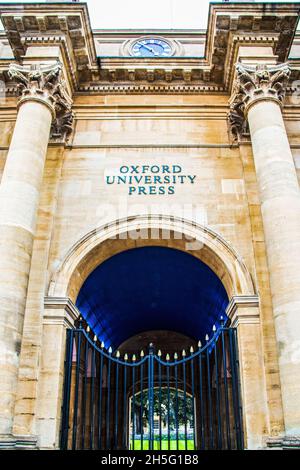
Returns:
<point x="164" y="445"/>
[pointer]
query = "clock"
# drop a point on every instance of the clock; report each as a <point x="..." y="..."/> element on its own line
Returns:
<point x="155" y="47"/>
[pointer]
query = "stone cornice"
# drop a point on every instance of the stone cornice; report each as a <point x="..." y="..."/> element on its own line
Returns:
<point x="60" y="310"/>
<point x="62" y="42"/>
<point x="26" y="23"/>
<point x="230" y="25"/>
<point x="238" y="40"/>
<point x="243" y="309"/>
<point x="141" y="88"/>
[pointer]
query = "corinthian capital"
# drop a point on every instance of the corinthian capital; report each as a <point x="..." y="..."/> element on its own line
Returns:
<point x="45" y="84"/>
<point x="252" y="84"/>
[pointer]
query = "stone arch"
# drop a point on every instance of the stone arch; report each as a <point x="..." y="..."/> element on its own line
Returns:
<point x="132" y="232"/>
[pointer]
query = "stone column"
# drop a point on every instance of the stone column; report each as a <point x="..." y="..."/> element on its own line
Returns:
<point x="43" y="98"/>
<point x="259" y="92"/>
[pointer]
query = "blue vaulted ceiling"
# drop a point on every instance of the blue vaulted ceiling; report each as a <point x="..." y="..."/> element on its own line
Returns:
<point x="151" y="288"/>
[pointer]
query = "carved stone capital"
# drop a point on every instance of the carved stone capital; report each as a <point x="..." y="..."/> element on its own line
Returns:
<point x="46" y="85"/>
<point x="252" y="84"/>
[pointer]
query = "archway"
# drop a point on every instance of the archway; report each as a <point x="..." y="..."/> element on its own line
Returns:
<point x="101" y="244"/>
<point x="124" y="301"/>
<point x="152" y="288"/>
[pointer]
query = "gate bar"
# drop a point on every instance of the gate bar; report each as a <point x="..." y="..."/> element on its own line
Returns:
<point x="108" y="403"/>
<point x="193" y="398"/>
<point x="67" y="390"/>
<point x="210" y="418"/>
<point x="168" y="403"/>
<point x="151" y="396"/>
<point x="133" y="404"/>
<point x="142" y="403"/>
<point x="116" y="404"/>
<point x="84" y="394"/>
<point x="184" y="399"/>
<point x="92" y="414"/>
<point x="75" y="417"/>
<point x="224" y="358"/>
<point x="100" y="401"/>
<point x="125" y="403"/>
<point x="218" y="408"/>
<point x="176" y="400"/>
<point x="202" y="428"/>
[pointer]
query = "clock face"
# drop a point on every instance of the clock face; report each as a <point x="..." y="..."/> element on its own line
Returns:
<point x="151" y="48"/>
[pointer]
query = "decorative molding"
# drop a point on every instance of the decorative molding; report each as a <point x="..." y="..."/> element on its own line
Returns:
<point x="243" y="309"/>
<point x="148" y="146"/>
<point x="25" y="24"/>
<point x="284" y="443"/>
<point x="230" y="25"/>
<point x="235" y="270"/>
<point x="158" y="70"/>
<point x="227" y="21"/>
<point x="252" y="84"/>
<point x="60" y="310"/>
<point x="240" y="40"/>
<point x="60" y="41"/>
<point x="18" y="442"/>
<point x="46" y="85"/>
<point x="143" y="88"/>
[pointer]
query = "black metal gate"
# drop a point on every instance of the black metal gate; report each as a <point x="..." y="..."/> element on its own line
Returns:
<point x="152" y="402"/>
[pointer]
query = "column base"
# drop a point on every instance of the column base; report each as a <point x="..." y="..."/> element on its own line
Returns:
<point x="284" y="443"/>
<point x="10" y="442"/>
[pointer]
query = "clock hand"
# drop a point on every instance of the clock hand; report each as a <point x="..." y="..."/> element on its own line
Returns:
<point x="147" y="47"/>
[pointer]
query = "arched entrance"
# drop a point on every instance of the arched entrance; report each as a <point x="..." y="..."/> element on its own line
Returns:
<point x="102" y="244"/>
<point x="152" y="288"/>
<point x="167" y="397"/>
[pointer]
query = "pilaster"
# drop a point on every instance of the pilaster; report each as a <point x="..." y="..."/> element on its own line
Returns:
<point x="244" y="314"/>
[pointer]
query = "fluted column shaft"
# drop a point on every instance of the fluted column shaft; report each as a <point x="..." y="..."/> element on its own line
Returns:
<point x="19" y="199"/>
<point x="260" y="93"/>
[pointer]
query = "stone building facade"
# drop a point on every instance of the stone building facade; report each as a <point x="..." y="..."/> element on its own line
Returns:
<point x="79" y="107"/>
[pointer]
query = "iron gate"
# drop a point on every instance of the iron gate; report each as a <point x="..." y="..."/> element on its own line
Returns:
<point x="151" y="402"/>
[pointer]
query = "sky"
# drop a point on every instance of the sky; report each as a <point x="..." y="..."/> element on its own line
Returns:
<point x="146" y="14"/>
